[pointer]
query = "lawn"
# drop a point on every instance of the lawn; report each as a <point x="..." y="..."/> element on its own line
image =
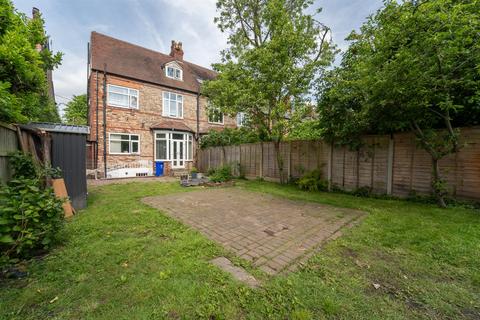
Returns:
<point x="124" y="260"/>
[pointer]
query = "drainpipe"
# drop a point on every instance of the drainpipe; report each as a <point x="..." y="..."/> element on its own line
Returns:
<point x="105" y="119"/>
<point x="96" y="114"/>
<point x="197" y="138"/>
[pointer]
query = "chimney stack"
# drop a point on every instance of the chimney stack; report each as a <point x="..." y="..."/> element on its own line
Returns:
<point x="176" y="50"/>
<point x="35" y="12"/>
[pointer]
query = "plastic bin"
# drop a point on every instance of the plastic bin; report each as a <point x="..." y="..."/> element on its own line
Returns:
<point x="159" y="167"/>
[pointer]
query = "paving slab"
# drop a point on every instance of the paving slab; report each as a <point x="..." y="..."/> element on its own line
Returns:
<point x="237" y="272"/>
<point x="273" y="233"/>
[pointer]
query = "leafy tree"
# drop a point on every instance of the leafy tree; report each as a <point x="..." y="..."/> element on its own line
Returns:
<point x="276" y="50"/>
<point x="228" y="137"/>
<point x="76" y="110"/>
<point x="414" y="66"/>
<point x="23" y="83"/>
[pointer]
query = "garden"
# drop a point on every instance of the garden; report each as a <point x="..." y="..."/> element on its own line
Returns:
<point x="122" y="258"/>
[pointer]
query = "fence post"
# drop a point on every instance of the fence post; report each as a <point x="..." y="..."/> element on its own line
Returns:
<point x="209" y="158"/>
<point x="330" y="166"/>
<point x="261" y="160"/>
<point x="390" y="165"/>
<point x="289" y="167"/>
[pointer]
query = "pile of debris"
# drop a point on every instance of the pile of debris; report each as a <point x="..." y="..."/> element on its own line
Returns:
<point x="188" y="181"/>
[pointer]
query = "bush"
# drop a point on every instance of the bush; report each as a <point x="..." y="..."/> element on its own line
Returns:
<point x="228" y="137"/>
<point x="221" y="174"/>
<point x="312" y="181"/>
<point x="30" y="214"/>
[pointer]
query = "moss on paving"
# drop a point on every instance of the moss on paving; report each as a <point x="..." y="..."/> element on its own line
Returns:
<point x="124" y="260"/>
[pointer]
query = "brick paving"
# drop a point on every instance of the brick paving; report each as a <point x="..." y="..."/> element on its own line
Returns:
<point x="272" y="232"/>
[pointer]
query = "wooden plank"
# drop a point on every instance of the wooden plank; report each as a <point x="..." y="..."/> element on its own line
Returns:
<point x="60" y="191"/>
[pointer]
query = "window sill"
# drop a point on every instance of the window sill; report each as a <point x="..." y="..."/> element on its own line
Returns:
<point x="122" y="107"/>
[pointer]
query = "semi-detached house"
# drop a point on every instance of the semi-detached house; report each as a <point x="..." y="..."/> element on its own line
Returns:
<point x="145" y="107"/>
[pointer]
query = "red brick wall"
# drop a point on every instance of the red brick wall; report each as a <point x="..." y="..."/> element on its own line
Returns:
<point x="139" y="121"/>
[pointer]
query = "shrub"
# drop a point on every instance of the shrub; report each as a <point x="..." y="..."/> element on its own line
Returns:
<point x="194" y="170"/>
<point x="221" y="174"/>
<point x="312" y="181"/>
<point x="228" y="137"/>
<point x="30" y="214"/>
<point x="210" y="171"/>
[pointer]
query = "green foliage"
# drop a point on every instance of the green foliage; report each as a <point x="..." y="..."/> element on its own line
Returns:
<point x="23" y="84"/>
<point x="30" y="215"/>
<point x="312" y="181"/>
<point x="413" y="66"/>
<point x="306" y="130"/>
<point x="76" y="110"/>
<point x="193" y="170"/>
<point x="228" y="137"/>
<point x="277" y="49"/>
<point x="221" y="174"/>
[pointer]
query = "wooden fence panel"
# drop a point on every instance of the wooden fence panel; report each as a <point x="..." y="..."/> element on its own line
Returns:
<point x="380" y="165"/>
<point x="8" y="143"/>
<point x="384" y="164"/>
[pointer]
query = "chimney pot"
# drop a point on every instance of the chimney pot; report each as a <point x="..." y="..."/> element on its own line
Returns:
<point x="176" y="50"/>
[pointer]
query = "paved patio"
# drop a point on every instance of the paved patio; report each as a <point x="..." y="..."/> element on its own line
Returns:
<point x="274" y="233"/>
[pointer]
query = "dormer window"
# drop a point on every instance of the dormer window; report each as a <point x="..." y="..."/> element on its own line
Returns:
<point x="174" y="72"/>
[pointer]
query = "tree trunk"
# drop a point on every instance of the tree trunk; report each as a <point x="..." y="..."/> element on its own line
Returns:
<point x="437" y="184"/>
<point x="279" y="157"/>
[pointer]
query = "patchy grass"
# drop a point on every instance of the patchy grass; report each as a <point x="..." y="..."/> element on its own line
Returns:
<point x="125" y="260"/>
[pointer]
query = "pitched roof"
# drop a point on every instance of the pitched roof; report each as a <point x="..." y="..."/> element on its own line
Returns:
<point x="176" y="125"/>
<point x="129" y="60"/>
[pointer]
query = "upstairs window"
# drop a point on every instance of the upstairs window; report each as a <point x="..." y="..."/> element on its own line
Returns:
<point x="241" y="119"/>
<point x="215" y="116"/>
<point x="124" y="143"/>
<point x="172" y="105"/>
<point x="122" y="97"/>
<point x="174" y="72"/>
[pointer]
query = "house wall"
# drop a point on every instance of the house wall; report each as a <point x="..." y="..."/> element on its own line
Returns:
<point x="140" y="121"/>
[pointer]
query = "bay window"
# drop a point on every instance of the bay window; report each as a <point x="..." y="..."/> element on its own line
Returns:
<point x="173" y="146"/>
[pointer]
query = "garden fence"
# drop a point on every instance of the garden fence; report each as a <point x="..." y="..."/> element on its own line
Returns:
<point x="8" y="143"/>
<point x="385" y="164"/>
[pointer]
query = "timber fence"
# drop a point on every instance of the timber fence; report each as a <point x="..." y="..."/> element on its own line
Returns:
<point x="393" y="165"/>
<point x="8" y="144"/>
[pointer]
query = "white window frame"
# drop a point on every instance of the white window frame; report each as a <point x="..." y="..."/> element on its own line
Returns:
<point x="211" y="109"/>
<point x="240" y="119"/>
<point x="165" y="105"/>
<point x="187" y="137"/>
<point x="129" y="145"/>
<point x="175" y="68"/>
<point x="129" y="97"/>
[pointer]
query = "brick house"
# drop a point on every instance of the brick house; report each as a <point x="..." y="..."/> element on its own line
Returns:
<point x="145" y="106"/>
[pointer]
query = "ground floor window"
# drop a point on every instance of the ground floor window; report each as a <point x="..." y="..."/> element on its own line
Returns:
<point x="124" y="143"/>
<point x="173" y="146"/>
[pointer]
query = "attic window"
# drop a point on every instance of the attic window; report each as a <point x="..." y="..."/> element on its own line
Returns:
<point x="174" y="72"/>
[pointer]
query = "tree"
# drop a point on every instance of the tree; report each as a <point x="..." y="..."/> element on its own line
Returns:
<point x="76" y="110"/>
<point x="275" y="52"/>
<point x="413" y="66"/>
<point x="23" y="84"/>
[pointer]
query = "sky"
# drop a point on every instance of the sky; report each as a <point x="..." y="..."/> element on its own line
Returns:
<point x="153" y="24"/>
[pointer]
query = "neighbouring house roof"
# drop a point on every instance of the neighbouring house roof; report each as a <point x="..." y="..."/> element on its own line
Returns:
<point x="129" y="60"/>
<point x="176" y="125"/>
<point x="57" y="127"/>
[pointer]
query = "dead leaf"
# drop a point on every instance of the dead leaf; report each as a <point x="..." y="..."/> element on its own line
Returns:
<point x="376" y="285"/>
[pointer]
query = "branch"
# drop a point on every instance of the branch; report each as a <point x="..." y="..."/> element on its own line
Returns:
<point x="320" y="51"/>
